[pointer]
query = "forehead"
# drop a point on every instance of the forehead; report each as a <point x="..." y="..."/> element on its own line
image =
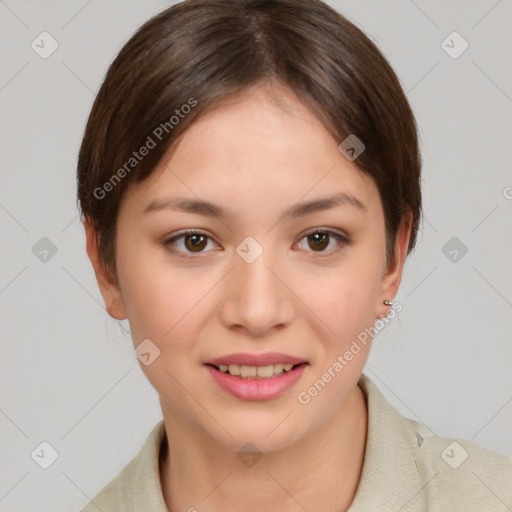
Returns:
<point x="259" y="149"/>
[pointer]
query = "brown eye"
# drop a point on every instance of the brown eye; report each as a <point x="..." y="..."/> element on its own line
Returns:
<point x="319" y="240"/>
<point x="195" y="243"/>
<point x="188" y="242"/>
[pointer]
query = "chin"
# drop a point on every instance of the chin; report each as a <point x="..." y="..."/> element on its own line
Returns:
<point x="268" y="432"/>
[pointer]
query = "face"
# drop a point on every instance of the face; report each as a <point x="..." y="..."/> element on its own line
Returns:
<point x="284" y="267"/>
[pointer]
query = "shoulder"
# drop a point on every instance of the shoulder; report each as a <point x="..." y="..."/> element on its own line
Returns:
<point x="459" y="472"/>
<point x="137" y="486"/>
<point x="408" y="467"/>
<point x="106" y="499"/>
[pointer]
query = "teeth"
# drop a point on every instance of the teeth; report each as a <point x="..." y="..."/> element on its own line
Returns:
<point x="234" y="369"/>
<point x="278" y="368"/>
<point x="262" y="372"/>
<point x="265" y="371"/>
<point x="248" y="371"/>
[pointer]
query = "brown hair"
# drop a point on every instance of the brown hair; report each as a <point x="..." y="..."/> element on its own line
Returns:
<point x="198" y="52"/>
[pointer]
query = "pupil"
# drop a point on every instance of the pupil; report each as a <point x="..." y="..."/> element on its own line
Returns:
<point x="196" y="240"/>
<point x="317" y="238"/>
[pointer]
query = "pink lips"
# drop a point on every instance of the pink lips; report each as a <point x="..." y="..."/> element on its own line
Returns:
<point x="256" y="389"/>
<point x="256" y="359"/>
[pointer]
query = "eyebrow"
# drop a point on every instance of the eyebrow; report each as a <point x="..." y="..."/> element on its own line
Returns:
<point x="208" y="209"/>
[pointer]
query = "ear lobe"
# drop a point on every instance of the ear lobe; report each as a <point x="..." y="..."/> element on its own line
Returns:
<point x="110" y="291"/>
<point x="393" y="274"/>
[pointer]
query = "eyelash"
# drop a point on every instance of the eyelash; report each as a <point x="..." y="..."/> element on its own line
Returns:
<point x="342" y="240"/>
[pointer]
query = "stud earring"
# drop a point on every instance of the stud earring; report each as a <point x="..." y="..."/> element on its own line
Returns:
<point x="387" y="303"/>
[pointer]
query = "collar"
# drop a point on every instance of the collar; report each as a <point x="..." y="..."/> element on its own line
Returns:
<point x="391" y="479"/>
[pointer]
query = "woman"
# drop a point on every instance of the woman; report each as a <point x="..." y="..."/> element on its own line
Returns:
<point x="249" y="180"/>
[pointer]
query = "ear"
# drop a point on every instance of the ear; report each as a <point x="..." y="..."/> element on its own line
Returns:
<point x="393" y="273"/>
<point x="109" y="289"/>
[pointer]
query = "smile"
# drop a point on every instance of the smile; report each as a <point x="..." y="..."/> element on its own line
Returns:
<point x="268" y="377"/>
<point x="255" y="372"/>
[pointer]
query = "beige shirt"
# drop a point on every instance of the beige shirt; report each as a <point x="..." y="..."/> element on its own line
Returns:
<point x="406" y="469"/>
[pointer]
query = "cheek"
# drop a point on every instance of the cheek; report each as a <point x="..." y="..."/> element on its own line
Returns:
<point x="346" y="306"/>
<point x="346" y="302"/>
<point x="164" y="305"/>
<point x="161" y="304"/>
<point x="152" y="300"/>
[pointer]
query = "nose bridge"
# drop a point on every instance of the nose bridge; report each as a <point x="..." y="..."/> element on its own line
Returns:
<point x="256" y="298"/>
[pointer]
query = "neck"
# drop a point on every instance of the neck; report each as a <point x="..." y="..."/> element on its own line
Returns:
<point x="319" y="472"/>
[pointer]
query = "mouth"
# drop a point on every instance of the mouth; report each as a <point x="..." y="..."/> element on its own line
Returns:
<point x="269" y="371"/>
<point x="256" y="376"/>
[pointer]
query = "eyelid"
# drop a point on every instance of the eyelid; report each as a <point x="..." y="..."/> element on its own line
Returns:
<point x="325" y="229"/>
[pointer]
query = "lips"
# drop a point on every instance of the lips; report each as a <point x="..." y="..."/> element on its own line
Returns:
<point x="244" y="359"/>
<point x="256" y="376"/>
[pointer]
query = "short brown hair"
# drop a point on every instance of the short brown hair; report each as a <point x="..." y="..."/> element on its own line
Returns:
<point x="198" y="52"/>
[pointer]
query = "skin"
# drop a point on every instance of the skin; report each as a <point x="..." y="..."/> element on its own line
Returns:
<point x="256" y="154"/>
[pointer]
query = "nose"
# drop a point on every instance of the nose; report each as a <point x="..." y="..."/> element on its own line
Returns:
<point x="256" y="297"/>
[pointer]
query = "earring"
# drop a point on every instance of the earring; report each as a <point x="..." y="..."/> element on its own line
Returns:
<point x="387" y="303"/>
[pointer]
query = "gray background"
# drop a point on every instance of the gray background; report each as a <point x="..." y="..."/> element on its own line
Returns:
<point x="68" y="373"/>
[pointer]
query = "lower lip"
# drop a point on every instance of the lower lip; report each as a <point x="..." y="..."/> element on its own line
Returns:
<point x="257" y="389"/>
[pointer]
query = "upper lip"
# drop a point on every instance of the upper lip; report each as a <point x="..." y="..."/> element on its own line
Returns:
<point x="265" y="359"/>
